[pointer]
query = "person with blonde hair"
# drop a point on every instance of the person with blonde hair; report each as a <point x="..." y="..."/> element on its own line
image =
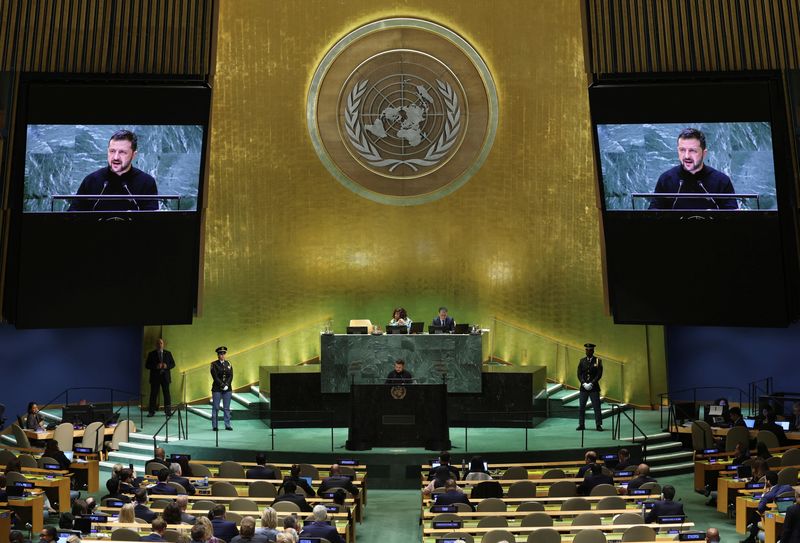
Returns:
<point x="127" y="514"/>
<point x="269" y="524"/>
<point x="209" y="530"/>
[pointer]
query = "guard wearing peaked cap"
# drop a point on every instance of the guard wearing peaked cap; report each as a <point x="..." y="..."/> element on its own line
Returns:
<point x="590" y="370"/>
<point x="221" y="388"/>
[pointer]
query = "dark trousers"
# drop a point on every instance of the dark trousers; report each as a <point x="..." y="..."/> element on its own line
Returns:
<point x="594" y="394"/>
<point x="154" y="396"/>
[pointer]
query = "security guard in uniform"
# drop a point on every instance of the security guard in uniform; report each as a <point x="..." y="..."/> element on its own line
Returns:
<point x="590" y="370"/>
<point x="222" y="382"/>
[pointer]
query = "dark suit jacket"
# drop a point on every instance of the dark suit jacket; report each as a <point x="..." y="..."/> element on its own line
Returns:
<point x="320" y="529"/>
<point x="639" y="481"/>
<point x="338" y="481"/>
<point x="184" y="482"/>
<point x="143" y="512"/>
<point x="301" y="483"/>
<point x="445" y="472"/>
<point x="453" y="496"/>
<point x="662" y="508"/>
<point x="624" y="466"/>
<point x="590" y="481"/>
<point x="295" y="498"/>
<point x="157" y="375"/>
<point x="224" y="529"/>
<point x="448" y="324"/>
<point x="162" y="488"/>
<point x="791" y="525"/>
<point x="151" y="537"/>
<point x="583" y="470"/>
<point x="262" y="472"/>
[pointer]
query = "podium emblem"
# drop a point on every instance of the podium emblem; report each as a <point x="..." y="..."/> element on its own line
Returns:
<point x="398" y="392"/>
<point x="402" y="111"/>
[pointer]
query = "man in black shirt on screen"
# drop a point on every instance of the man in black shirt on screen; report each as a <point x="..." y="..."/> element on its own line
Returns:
<point x="693" y="176"/>
<point x="118" y="178"/>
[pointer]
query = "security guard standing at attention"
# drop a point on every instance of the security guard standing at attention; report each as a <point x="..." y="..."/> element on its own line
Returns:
<point x="590" y="370"/>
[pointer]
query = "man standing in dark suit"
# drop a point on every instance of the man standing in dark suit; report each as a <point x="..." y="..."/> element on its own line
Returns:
<point x="337" y="480"/>
<point x="452" y="495"/>
<point x="159" y="362"/>
<point x="665" y="507"/>
<point x="590" y="370"/>
<point x="447" y="323"/>
<point x="289" y="488"/>
<point x="261" y="471"/>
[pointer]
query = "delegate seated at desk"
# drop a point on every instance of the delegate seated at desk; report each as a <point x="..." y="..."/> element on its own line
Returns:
<point x="400" y="318"/>
<point x="399" y="375"/>
<point x="446" y="323"/>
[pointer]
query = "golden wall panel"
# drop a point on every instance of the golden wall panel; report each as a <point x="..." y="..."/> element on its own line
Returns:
<point x="287" y="246"/>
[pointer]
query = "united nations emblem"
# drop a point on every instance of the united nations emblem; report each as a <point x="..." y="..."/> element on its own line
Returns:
<point x="398" y="392"/>
<point x="402" y="111"/>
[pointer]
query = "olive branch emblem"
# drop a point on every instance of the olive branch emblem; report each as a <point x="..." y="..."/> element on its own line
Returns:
<point x="358" y="137"/>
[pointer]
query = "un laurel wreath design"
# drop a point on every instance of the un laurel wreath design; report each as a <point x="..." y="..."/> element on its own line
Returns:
<point x="358" y="138"/>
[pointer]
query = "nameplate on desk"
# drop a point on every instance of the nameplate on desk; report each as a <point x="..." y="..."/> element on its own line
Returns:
<point x="449" y="540"/>
<point x="749" y="486"/>
<point x="691" y="536"/>
<point x="114" y="503"/>
<point x="51" y="466"/>
<point x="639" y="492"/>
<point x="447" y="524"/>
<point x="623" y="474"/>
<point x="710" y="451"/>
<point x="406" y="420"/>
<point x="672" y="519"/>
<point x="348" y="462"/>
<point x="327" y="495"/>
<point x="84" y="450"/>
<point x="444" y="509"/>
<point x="757" y="496"/>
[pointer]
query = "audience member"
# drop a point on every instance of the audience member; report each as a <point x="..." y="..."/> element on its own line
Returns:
<point x="127" y="484"/>
<point x="337" y="480"/>
<point x="182" y="502"/>
<point x="176" y="476"/>
<point x="791" y="524"/>
<point x="591" y="458"/>
<point x="51" y="450"/>
<point x="736" y="417"/>
<point x="289" y="495"/>
<point x="113" y="485"/>
<point x="741" y="453"/>
<point x="172" y="514"/>
<point x="247" y="532"/>
<point x="452" y="494"/>
<point x="261" y="470"/>
<point x="441" y="471"/>
<point x="198" y="533"/>
<point x="294" y="476"/>
<point x="477" y="470"/>
<point x="712" y="535"/>
<point x="16" y="537"/>
<point x="66" y="521"/>
<point x="290" y="528"/>
<point x="771" y="490"/>
<point x="140" y="506"/>
<point x="770" y="424"/>
<point x="665" y="506"/>
<point x="48" y="534"/>
<point x="269" y="524"/>
<point x="625" y="462"/>
<point x="127" y="515"/>
<point x="208" y="533"/>
<point x="34" y="419"/>
<point x="320" y="528"/>
<point x="642" y="476"/>
<point x="794" y="421"/>
<point x="762" y="452"/>
<point x="223" y="529"/>
<point x="160" y="457"/>
<point x="162" y="487"/>
<point x="594" y="477"/>
<point x="159" y="526"/>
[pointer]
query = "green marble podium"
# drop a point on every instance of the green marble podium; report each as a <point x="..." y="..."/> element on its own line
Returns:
<point x="368" y="359"/>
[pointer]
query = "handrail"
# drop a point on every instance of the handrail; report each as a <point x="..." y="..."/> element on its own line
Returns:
<point x="634" y="427"/>
<point x="182" y="432"/>
<point x="528" y="415"/>
<point x="329" y="419"/>
<point x="756" y="391"/>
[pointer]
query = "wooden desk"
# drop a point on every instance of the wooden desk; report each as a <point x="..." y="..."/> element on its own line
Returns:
<point x="30" y="508"/>
<point x="49" y="434"/>
<point x="773" y="525"/>
<point x="744" y="504"/>
<point x="566" y="528"/>
<point x="110" y="526"/>
<point x="60" y="484"/>
<point x="5" y="524"/>
<point x="722" y="432"/>
<point x="726" y="485"/>
<point x="91" y="470"/>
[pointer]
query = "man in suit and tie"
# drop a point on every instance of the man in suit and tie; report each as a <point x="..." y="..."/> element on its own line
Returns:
<point x="140" y="510"/>
<point x="223" y="529"/>
<point x="159" y="362"/>
<point x="262" y="471"/>
<point x="447" y="323"/>
<point x="289" y="489"/>
<point x="320" y="528"/>
<point x="161" y="487"/>
<point x="337" y="480"/>
<point x="665" y="507"/>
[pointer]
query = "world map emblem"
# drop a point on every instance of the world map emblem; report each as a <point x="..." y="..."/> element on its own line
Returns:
<point x="402" y="111"/>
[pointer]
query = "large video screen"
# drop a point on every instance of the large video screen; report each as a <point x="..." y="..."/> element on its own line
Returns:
<point x="84" y="167"/>
<point x="640" y="162"/>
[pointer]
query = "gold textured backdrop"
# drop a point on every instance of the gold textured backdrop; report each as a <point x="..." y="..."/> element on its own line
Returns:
<point x="287" y="246"/>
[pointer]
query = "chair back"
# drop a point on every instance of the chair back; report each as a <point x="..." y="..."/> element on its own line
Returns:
<point x="467" y="538"/>
<point x="231" y="470"/>
<point x="576" y="504"/>
<point x="586" y="519"/>
<point x="491" y="505"/>
<point x="28" y="461"/>
<point x="544" y="535"/>
<point x="286" y="507"/>
<point x="307" y="470"/>
<point x="93" y="436"/>
<point x="64" y="436"/>
<point x="628" y="518"/>
<point x="531" y="506"/>
<point x="261" y="489"/>
<point x="243" y="504"/>
<point x="121" y="433"/>
<point x="154" y="467"/>
<point x="20" y="437"/>
<point x="199" y="470"/>
<point x="791" y="458"/>
<point x="515" y="472"/>
<point x="611" y="502"/>
<point x="171" y="536"/>
<point x="493" y="522"/>
<point x="233" y="517"/>
<point x="462" y="507"/>
<point x="736" y="435"/>
<point x="6" y="456"/>
<point x="15" y="477"/>
<point x="486" y="489"/>
<point x="537" y="518"/>
<point x="160" y="504"/>
<point x="522" y="489"/>
<point x="554" y="473"/>
<point x="652" y="486"/>
<point x="203" y="505"/>
<point x="495" y="536"/>
<point x="445" y="517"/>
<point x="125" y="534"/>
<point x="44" y="460"/>
<point x="639" y="533"/>
<point x="768" y="438"/>
<point x="702" y="437"/>
<point x="774" y="462"/>
<point x="786" y="476"/>
<point x="562" y="489"/>
<point x="589" y="535"/>
<point x="177" y="486"/>
<point x="347" y="470"/>
<point x="223" y="488"/>
<point x="604" y="489"/>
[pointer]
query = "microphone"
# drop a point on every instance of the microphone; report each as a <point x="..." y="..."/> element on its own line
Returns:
<point x="125" y="186"/>
<point x="680" y="185"/>
<point x="105" y="184"/>
<point x="704" y="190"/>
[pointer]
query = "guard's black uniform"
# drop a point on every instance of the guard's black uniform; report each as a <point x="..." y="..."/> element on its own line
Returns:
<point x="590" y="370"/>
